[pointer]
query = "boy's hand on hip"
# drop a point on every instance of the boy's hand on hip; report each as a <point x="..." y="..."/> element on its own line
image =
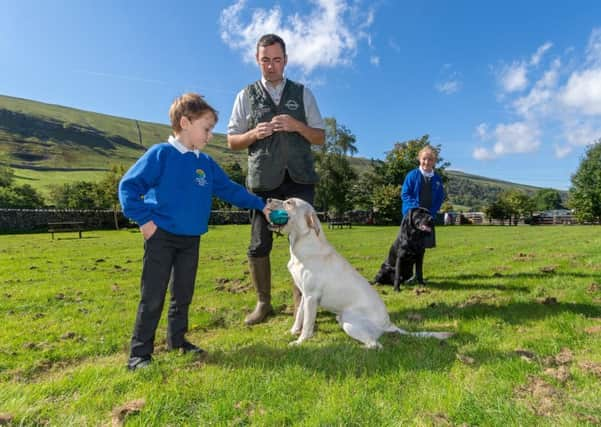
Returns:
<point x="148" y="229"/>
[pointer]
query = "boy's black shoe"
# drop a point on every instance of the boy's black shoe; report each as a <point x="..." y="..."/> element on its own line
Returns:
<point x="188" y="347"/>
<point x="138" y="362"/>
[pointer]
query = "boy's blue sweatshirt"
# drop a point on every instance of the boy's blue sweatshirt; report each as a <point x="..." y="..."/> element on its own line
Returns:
<point x="175" y="190"/>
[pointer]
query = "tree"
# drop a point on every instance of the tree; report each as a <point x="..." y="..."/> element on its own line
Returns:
<point x="20" y="197"/>
<point x="547" y="199"/>
<point x="519" y="204"/>
<point x="339" y="139"/>
<point x="387" y="204"/>
<point x="335" y="173"/>
<point x="403" y="158"/>
<point x="236" y="174"/>
<point x="6" y="176"/>
<point x="335" y="179"/>
<point x="77" y="195"/>
<point x="498" y="210"/>
<point x="585" y="193"/>
<point x="108" y="191"/>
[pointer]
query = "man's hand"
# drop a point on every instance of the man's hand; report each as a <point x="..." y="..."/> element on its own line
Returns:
<point x="148" y="229"/>
<point x="263" y="130"/>
<point x="284" y="123"/>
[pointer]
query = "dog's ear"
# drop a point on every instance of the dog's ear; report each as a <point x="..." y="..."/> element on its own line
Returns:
<point x="313" y="222"/>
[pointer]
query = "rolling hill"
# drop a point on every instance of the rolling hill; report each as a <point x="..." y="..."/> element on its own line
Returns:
<point x="49" y="144"/>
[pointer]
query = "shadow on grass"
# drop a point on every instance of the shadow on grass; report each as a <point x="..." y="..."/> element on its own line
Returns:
<point x="525" y="275"/>
<point x="76" y="237"/>
<point x="446" y="286"/>
<point x="512" y="313"/>
<point x="344" y="359"/>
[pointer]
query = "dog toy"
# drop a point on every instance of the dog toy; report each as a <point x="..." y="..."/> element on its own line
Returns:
<point x="278" y="217"/>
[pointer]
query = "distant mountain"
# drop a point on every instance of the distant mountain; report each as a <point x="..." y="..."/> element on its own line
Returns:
<point x="50" y="144"/>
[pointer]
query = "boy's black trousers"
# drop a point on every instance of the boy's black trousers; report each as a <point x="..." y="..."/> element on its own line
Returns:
<point x="168" y="258"/>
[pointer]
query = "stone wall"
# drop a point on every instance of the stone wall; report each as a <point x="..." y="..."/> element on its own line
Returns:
<point x="30" y="220"/>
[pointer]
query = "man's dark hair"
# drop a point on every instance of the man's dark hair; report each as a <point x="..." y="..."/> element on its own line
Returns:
<point x="269" y="39"/>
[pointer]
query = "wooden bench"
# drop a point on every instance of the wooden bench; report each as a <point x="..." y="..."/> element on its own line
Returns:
<point x="65" y="226"/>
<point x="340" y="223"/>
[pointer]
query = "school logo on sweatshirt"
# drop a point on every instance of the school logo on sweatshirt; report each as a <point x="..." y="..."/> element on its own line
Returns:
<point x="201" y="178"/>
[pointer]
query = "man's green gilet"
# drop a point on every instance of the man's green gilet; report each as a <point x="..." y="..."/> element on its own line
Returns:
<point x="269" y="158"/>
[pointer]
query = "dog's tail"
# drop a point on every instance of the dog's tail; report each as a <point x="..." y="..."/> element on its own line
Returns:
<point x="423" y="334"/>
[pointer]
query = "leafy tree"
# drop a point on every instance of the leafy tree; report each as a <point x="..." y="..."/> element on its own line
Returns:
<point x="498" y="210"/>
<point x="387" y="204"/>
<point x="403" y="158"/>
<point x="518" y="203"/>
<point x="77" y="195"/>
<point x="108" y="191"/>
<point x="585" y="193"/>
<point x="447" y="207"/>
<point x="236" y="174"/>
<point x="335" y="173"/>
<point x="108" y="188"/>
<point x="339" y="139"/>
<point x="20" y="197"/>
<point x="547" y="199"/>
<point x="361" y="191"/>
<point x="6" y="176"/>
<point x="335" y="178"/>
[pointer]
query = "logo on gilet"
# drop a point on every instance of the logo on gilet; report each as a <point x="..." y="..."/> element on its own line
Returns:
<point x="292" y="105"/>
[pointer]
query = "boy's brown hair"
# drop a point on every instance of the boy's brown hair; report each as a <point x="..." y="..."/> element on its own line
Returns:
<point x="190" y="105"/>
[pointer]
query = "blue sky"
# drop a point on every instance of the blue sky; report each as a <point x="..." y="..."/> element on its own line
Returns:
<point x="509" y="89"/>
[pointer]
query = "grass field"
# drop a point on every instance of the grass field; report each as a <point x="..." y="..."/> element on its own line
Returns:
<point x="524" y="302"/>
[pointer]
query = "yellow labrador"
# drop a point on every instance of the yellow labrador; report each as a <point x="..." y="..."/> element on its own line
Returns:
<point x="327" y="279"/>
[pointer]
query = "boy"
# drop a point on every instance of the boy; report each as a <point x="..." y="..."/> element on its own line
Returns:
<point x="168" y="192"/>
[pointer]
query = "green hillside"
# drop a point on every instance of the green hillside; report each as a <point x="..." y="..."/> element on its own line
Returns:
<point x="49" y="144"/>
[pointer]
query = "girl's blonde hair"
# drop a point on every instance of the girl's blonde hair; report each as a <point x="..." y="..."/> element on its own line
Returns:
<point x="426" y="149"/>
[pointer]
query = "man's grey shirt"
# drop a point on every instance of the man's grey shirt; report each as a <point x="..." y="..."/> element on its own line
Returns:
<point x="239" y="119"/>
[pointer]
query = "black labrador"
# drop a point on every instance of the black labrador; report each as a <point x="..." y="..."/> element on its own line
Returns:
<point x="407" y="250"/>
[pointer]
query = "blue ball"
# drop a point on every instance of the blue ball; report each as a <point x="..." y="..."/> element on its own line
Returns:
<point x="278" y="217"/>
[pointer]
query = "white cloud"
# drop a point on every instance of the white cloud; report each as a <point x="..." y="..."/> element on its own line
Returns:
<point x="593" y="49"/>
<point x="541" y="95"/>
<point x="562" y="151"/>
<point x="513" y="77"/>
<point x="450" y="82"/>
<point x="516" y="137"/>
<point x="375" y="60"/>
<point x="326" y="36"/>
<point x="583" y="91"/>
<point x="538" y="55"/>
<point x="448" y="87"/>
<point x="513" y="138"/>
<point x="580" y="133"/>
<point x="554" y="98"/>
<point x="482" y="131"/>
<point x="480" y="153"/>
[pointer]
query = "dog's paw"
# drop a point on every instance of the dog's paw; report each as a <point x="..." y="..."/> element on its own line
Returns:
<point x="295" y="343"/>
<point x="295" y="331"/>
<point x="373" y="345"/>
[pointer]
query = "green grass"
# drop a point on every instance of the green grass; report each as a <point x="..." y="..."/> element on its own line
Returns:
<point x="518" y="358"/>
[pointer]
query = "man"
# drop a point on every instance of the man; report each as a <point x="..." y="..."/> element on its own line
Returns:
<point x="277" y="120"/>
